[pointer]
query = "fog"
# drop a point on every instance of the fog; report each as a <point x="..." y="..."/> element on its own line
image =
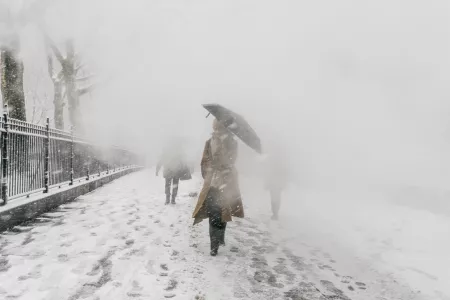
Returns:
<point x="351" y="95"/>
<point x="354" y="92"/>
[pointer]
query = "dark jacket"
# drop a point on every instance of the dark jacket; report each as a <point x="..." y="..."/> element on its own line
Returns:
<point x="173" y="163"/>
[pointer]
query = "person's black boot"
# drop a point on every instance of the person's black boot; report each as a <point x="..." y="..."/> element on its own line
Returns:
<point x="167" y="199"/>
<point x="215" y="241"/>
<point x="173" y="200"/>
<point x="214" y="247"/>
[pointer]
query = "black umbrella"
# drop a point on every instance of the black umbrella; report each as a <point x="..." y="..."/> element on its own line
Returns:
<point x="235" y="124"/>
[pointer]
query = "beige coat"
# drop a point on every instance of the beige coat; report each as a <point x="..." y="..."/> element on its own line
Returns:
<point x="219" y="169"/>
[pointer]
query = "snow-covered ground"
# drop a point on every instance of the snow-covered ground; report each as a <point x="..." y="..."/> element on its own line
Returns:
<point x="397" y="245"/>
<point x="122" y="242"/>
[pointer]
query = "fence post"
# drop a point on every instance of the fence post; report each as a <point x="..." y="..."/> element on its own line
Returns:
<point x="72" y="156"/>
<point x="5" y="159"/>
<point x="47" y="156"/>
<point x="114" y="159"/>
<point x="107" y="161"/>
<point x="88" y="176"/>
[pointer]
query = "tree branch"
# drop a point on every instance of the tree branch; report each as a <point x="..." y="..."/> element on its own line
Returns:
<point x="84" y="78"/>
<point x="60" y="75"/>
<point x="85" y="90"/>
<point x="55" y="50"/>
<point x="79" y="67"/>
<point x="50" y="67"/>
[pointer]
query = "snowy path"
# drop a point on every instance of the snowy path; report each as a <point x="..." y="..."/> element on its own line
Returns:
<point x="122" y="242"/>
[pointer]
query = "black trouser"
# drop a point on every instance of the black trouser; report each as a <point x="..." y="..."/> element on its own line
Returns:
<point x="172" y="181"/>
<point x="275" y="197"/>
<point x="216" y="226"/>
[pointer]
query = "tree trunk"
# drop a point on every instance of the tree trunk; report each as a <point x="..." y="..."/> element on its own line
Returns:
<point x="12" y="82"/>
<point x="69" y="72"/>
<point x="73" y="98"/>
<point x="74" y="107"/>
<point x="59" y="105"/>
<point x="58" y="98"/>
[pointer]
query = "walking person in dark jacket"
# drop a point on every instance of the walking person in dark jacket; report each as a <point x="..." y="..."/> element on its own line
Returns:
<point x="174" y="168"/>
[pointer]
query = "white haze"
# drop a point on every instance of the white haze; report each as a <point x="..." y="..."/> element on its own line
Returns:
<point x="355" y="92"/>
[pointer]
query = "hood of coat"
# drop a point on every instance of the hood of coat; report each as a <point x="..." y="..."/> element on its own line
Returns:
<point x="218" y="127"/>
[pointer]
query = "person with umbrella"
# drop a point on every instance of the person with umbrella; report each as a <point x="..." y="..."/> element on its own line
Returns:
<point x="220" y="198"/>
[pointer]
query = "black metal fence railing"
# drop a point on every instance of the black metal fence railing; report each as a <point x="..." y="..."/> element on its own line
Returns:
<point x="38" y="158"/>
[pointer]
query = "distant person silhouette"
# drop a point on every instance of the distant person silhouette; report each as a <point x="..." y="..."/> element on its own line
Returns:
<point x="175" y="168"/>
<point x="275" y="181"/>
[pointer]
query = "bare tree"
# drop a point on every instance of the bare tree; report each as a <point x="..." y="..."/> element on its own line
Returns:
<point x="58" y="97"/>
<point x="70" y="68"/>
<point x="11" y="68"/>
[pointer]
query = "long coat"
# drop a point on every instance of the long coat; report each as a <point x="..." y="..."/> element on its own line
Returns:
<point x="218" y="169"/>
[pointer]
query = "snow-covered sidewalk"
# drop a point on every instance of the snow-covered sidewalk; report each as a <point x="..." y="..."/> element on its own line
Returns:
<point x="122" y="242"/>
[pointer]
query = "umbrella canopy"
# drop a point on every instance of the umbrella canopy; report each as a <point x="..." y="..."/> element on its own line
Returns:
<point x="236" y="124"/>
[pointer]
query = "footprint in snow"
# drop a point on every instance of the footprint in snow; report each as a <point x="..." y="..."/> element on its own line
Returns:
<point x="346" y="279"/>
<point x="361" y="285"/>
<point x="172" y="285"/>
<point x="337" y="293"/>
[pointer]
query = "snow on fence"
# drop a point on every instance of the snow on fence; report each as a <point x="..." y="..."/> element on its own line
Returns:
<point x="38" y="158"/>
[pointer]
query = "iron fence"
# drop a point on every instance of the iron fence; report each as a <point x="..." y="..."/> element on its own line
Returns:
<point x="37" y="158"/>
